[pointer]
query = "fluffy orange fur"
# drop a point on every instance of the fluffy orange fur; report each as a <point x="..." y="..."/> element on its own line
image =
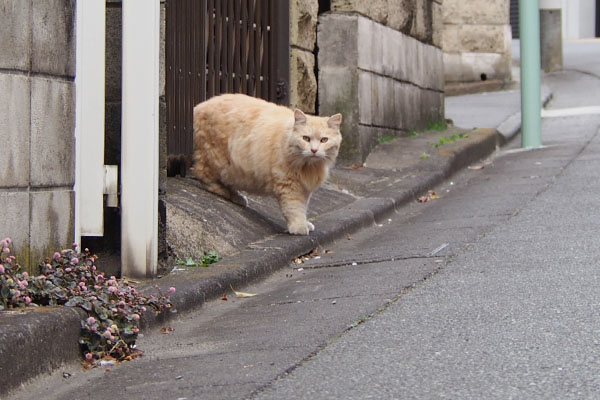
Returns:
<point x="246" y="144"/>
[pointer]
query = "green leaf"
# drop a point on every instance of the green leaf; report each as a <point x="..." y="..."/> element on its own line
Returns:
<point x="128" y="329"/>
<point x="189" y="262"/>
<point x="86" y="305"/>
<point x="74" y="301"/>
<point x="437" y="125"/>
<point x="211" y="257"/>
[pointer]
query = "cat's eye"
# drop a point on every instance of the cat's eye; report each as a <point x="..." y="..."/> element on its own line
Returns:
<point x="324" y="140"/>
<point x="306" y="138"/>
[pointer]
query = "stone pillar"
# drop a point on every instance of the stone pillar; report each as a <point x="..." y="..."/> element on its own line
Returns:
<point x="303" y="35"/>
<point x="551" y="40"/>
<point x="476" y="40"/>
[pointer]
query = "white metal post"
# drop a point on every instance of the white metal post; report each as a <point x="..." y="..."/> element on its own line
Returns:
<point x="139" y="138"/>
<point x="89" y="117"/>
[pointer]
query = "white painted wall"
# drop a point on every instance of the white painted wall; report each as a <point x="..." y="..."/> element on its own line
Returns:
<point x="587" y="18"/>
<point x="578" y="17"/>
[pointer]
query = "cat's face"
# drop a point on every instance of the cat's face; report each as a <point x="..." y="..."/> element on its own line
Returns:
<point x="316" y="139"/>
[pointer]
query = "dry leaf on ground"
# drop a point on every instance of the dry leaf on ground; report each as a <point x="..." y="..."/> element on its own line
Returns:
<point x="242" y="295"/>
<point x="431" y="195"/>
<point x="476" y="167"/>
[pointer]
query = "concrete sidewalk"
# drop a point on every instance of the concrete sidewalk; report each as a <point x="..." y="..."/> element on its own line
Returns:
<point x="252" y="240"/>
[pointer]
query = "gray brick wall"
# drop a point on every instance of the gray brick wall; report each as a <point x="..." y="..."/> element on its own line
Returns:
<point x="37" y="124"/>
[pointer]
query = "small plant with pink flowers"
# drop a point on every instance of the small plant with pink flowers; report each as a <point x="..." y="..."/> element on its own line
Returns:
<point x="114" y="307"/>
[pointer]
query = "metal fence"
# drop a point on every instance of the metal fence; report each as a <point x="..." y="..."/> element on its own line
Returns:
<point x="222" y="46"/>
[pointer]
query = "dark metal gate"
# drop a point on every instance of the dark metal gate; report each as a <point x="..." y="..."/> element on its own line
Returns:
<point x="222" y="46"/>
<point x="514" y="18"/>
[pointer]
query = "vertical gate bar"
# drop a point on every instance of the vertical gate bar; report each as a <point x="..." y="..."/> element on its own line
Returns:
<point x="178" y="53"/>
<point x="224" y="45"/>
<point x="230" y="45"/>
<point x="203" y="39"/>
<point x="191" y="28"/>
<point x="244" y="44"/>
<point x="237" y="46"/>
<point x="171" y="99"/>
<point x="169" y="7"/>
<point x="181" y="70"/>
<point x="251" y="48"/>
<point x="174" y="122"/>
<point x="211" y="49"/>
<point x="280" y="80"/>
<point x="176" y="83"/>
<point x="186" y="76"/>
<point x="258" y="48"/>
<point x="273" y="51"/>
<point x="265" y="50"/>
<point x="217" y="53"/>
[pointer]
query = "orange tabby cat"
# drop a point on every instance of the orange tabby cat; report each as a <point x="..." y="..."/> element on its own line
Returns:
<point x="248" y="144"/>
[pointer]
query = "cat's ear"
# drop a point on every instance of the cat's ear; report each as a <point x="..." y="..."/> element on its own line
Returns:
<point x="335" y="121"/>
<point x="299" y="117"/>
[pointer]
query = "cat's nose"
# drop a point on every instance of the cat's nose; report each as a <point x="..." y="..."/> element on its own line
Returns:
<point x="314" y="150"/>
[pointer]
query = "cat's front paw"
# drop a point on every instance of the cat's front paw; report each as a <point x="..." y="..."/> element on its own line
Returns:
<point x="311" y="227"/>
<point x="298" y="229"/>
<point x="239" y="199"/>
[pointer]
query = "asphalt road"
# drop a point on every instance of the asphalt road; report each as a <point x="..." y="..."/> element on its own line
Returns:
<point x="515" y="314"/>
<point x="490" y="291"/>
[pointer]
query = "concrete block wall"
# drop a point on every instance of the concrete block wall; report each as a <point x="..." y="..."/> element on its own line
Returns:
<point x="37" y="126"/>
<point x="383" y="81"/>
<point x="476" y="40"/>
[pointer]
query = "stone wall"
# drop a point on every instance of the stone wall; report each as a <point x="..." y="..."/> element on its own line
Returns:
<point x="379" y="64"/>
<point x="303" y="37"/>
<point x="476" y="40"/>
<point x="37" y="126"/>
<point x="421" y="19"/>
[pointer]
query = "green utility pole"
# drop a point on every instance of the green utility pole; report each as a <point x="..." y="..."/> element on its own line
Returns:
<point x="531" y="105"/>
